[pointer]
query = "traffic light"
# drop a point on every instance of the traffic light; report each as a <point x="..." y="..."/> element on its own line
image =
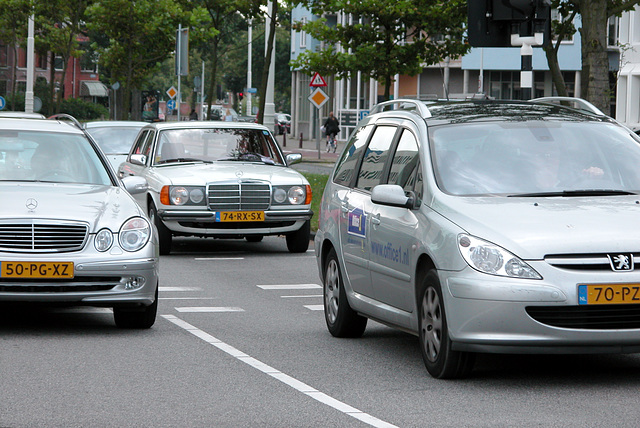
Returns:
<point x="240" y="95"/>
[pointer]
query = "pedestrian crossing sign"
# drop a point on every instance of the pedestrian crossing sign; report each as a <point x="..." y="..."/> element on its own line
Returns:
<point x="317" y="81"/>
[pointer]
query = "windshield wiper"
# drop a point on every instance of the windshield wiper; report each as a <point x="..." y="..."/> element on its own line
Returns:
<point x="569" y="193"/>
<point x="250" y="157"/>
<point x="183" y="160"/>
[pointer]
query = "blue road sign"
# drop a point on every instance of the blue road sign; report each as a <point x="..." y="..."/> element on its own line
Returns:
<point x="2" y="102"/>
<point x="171" y="104"/>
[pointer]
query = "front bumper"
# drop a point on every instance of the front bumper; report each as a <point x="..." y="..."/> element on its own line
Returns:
<point x="494" y="314"/>
<point x="119" y="283"/>
<point x="203" y="223"/>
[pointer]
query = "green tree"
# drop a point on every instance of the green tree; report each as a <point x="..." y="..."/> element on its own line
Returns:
<point x="13" y="29"/>
<point x="216" y="24"/>
<point x="384" y="38"/>
<point x="60" y="22"/>
<point x="595" y="62"/>
<point x="138" y="35"/>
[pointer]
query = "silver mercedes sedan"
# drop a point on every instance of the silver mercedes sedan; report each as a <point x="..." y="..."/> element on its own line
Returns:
<point x="220" y="180"/>
<point x="485" y="227"/>
<point x="70" y="232"/>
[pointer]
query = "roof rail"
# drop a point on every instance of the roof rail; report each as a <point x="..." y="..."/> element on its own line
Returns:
<point x="573" y="102"/>
<point x="402" y="104"/>
<point x="66" y="117"/>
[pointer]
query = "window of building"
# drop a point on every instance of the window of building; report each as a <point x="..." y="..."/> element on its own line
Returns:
<point x="58" y="64"/>
<point x="613" y="25"/>
<point x="303" y="35"/>
<point x="22" y="58"/>
<point x="4" y="55"/>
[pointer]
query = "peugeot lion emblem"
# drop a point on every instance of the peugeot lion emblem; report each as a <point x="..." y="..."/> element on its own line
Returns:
<point x="31" y="204"/>
<point x="621" y="262"/>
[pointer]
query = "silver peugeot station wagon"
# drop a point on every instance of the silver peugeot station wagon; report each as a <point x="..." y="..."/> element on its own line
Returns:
<point x="485" y="226"/>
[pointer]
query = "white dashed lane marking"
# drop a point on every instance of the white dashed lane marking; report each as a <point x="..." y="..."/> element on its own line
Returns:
<point x="289" y="286"/>
<point x="278" y="375"/>
<point x="315" y="307"/>
<point x="210" y="309"/>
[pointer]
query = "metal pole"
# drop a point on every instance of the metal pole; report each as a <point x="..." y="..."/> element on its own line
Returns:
<point x="28" y="100"/>
<point x="179" y="67"/>
<point x="249" y="111"/>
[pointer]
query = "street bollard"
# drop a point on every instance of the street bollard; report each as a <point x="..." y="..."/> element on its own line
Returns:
<point x="301" y="140"/>
<point x="284" y="138"/>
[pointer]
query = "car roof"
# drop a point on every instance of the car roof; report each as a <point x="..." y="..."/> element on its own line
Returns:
<point x="115" y="123"/>
<point x="206" y="124"/>
<point x="51" y="125"/>
<point x="22" y="114"/>
<point x="483" y="110"/>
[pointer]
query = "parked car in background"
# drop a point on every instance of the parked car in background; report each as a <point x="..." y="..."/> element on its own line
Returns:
<point x="220" y="180"/>
<point x="225" y="114"/>
<point x="115" y="137"/>
<point x="70" y="231"/>
<point x="282" y="123"/>
<point x="485" y="226"/>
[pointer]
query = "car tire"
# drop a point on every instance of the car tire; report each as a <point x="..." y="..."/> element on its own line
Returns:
<point x="342" y="321"/>
<point x="164" y="234"/>
<point x="441" y="361"/>
<point x="254" y="238"/>
<point x="136" y="318"/>
<point x="298" y="241"/>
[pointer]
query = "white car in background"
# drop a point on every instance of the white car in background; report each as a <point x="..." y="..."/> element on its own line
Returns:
<point x="115" y="137"/>
<point x="220" y="180"/>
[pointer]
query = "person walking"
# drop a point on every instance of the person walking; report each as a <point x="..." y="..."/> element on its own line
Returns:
<point x="331" y="128"/>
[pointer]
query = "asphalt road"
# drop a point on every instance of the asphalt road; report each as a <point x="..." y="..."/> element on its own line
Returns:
<point x="240" y="340"/>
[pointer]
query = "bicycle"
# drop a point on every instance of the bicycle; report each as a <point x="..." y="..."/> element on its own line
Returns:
<point x="331" y="143"/>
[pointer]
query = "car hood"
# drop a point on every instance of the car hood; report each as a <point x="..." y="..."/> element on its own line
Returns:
<point x="116" y="159"/>
<point x="99" y="206"/>
<point x="534" y="227"/>
<point x="201" y="174"/>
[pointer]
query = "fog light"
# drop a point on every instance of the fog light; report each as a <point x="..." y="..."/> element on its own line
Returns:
<point x="134" y="283"/>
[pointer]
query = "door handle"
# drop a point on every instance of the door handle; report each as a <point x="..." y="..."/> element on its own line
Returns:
<point x="375" y="220"/>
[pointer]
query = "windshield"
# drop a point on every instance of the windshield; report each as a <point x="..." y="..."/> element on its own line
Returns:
<point x="539" y="157"/>
<point x="115" y="141"/>
<point x="50" y="157"/>
<point x="218" y="144"/>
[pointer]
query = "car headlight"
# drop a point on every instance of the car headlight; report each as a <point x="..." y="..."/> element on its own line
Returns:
<point x="103" y="240"/>
<point x="134" y="234"/>
<point x="489" y="258"/>
<point x="182" y="195"/>
<point x="279" y="195"/>
<point x="296" y="195"/>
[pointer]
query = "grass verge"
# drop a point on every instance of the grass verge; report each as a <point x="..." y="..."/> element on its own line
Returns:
<point x="317" y="182"/>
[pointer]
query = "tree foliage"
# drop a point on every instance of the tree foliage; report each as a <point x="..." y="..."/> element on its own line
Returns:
<point x="384" y="38"/>
<point x="594" y="31"/>
<point x="139" y="35"/>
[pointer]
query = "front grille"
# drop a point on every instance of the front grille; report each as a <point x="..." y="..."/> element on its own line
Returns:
<point x="42" y="236"/>
<point x="585" y="262"/>
<point x="243" y="196"/>
<point x="600" y="317"/>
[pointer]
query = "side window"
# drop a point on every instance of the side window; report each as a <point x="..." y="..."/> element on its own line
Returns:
<point x="146" y="147"/>
<point x="375" y="157"/>
<point x="352" y="153"/>
<point x="404" y="160"/>
<point x="137" y="146"/>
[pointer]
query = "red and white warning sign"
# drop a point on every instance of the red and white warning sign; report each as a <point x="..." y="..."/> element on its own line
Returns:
<point x="317" y="81"/>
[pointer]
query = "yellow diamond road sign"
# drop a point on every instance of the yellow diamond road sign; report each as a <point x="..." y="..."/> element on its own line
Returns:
<point x="172" y="92"/>
<point x="318" y="97"/>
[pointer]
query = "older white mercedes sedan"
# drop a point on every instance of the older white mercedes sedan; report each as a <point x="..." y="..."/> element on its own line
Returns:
<point x="221" y="180"/>
<point x="70" y="232"/>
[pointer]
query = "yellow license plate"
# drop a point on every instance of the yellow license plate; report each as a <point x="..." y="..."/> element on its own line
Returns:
<point x="36" y="269"/>
<point x="608" y="294"/>
<point x="240" y="216"/>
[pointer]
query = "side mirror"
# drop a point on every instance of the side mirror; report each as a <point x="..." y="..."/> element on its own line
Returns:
<point x="135" y="184"/>
<point x="293" y="158"/>
<point x="391" y="195"/>
<point x="138" y="160"/>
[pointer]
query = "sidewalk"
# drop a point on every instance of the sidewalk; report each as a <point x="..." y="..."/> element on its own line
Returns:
<point x="308" y="149"/>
